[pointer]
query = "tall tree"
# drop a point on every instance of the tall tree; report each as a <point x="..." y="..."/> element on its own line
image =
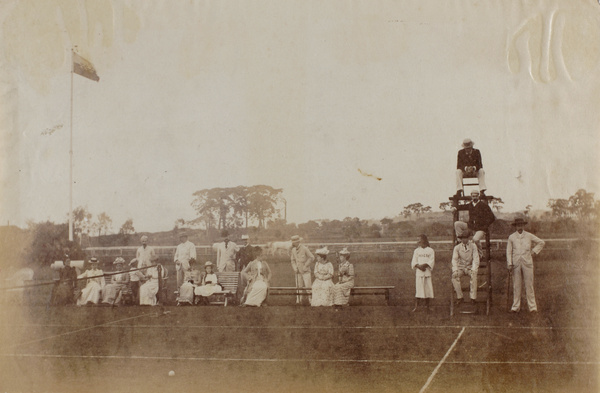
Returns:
<point x="262" y="202"/>
<point x="559" y="207"/>
<point x="127" y="227"/>
<point x="104" y="223"/>
<point x="211" y="203"/>
<point x="445" y="206"/>
<point x="82" y="221"/>
<point x="240" y="204"/>
<point x="581" y="204"/>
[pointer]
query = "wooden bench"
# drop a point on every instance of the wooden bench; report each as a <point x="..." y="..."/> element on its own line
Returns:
<point x="229" y="282"/>
<point x="356" y="291"/>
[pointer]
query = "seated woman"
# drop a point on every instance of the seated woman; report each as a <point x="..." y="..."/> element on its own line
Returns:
<point x="191" y="278"/>
<point x="258" y="273"/>
<point x="149" y="289"/>
<point x="92" y="292"/>
<point x="119" y="283"/>
<point x="208" y="283"/>
<point x="322" y="287"/>
<point x="64" y="291"/>
<point x="341" y="290"/>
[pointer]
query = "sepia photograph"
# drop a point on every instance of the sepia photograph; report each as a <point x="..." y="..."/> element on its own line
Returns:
<point x="298" y="196"/>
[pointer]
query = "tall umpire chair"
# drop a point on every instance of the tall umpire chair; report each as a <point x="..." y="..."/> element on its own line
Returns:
<point x="484" y="274"/>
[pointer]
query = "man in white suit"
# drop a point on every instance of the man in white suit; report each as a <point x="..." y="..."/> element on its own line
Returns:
<point x="226" y="254"/>
<point x="520" y="247"/>
<point x="465" y="262"/>
<point x="186" y="250"/>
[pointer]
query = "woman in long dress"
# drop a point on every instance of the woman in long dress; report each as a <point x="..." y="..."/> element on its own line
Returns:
<point x="92" y="293"/>
<point x="149" y="289"/>
<point x="192" y="277"/>
<point x="259" y="276"/>
<point x="208" y="283"/>
<point x="119" y="283"/>
<point x="322" y="287"/>
<point x="341" y="290"/>
<point x="64" y="292"/>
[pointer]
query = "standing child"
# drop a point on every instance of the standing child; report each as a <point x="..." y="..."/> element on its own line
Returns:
<point x="422" y="262"/>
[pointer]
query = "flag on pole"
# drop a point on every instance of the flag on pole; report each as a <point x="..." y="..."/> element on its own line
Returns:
<point x="84" y="68"/>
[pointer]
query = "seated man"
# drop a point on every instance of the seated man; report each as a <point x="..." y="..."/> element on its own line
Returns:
<point x="480" y="218"/>
<point x="119" y="284"/>
<point x="465" y="262"/>
<point x="469" y="164"/>
<point x="92" y="293"/>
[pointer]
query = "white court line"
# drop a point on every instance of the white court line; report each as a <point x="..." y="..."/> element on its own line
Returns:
<point x="294" y="360"/>
<point x="322" y="327"/>
<point x="435" y="370"/>
<point x="81" y="330"/>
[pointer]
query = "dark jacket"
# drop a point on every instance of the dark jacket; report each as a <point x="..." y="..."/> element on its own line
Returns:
<point x="480" y="216"/>
<point x="473" y="159"/>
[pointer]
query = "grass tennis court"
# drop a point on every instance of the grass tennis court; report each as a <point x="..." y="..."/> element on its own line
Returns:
<point x="366" y="347"/>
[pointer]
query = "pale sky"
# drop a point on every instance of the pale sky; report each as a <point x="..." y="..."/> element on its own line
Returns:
<point x="297" y="95"/>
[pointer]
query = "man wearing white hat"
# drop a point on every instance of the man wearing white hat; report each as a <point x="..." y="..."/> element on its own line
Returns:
<point x="186" y="250"/>
<point x="302" y="260"/>
<point x="520" y="247"/>
<point x="469" y="163"/>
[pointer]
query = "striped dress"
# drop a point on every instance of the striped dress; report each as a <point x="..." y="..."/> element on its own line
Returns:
<point x="341" y="290"/>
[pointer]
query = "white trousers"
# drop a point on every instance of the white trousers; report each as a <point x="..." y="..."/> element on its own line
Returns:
<point x="523" y="274"/>
<point x="456" y="282"/>
<point x="480" y="179"/>
<point x="303" y="280"/>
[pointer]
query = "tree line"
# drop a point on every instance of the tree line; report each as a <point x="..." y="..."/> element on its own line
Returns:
<point x="256" y="211"/>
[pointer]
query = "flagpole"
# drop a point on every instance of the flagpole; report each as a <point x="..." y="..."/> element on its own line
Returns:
<point x="71" y="159"/>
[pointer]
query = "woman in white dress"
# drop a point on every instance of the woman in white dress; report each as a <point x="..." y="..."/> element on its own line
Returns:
<point x="259" y="276"/>
<point x="422" y="262"/>
<point x="192" y="277"/>
<point x="119" y="283"/>
<point x="341" y="290"/>
<point x="92" y="293"/>
<point x="149" y="289"/>
<point x="208" y="283"/>
<point x="322" y="287"/>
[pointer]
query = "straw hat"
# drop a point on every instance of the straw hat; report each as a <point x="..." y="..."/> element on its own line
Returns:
<point x="322" y="251"/>
<point x="345" y="251"/>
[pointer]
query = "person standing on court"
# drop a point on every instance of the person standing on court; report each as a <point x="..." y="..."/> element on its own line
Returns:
<point x="186" y="250"/>
<point x="226" y="254"/>
<point x="244" y="256"/>
<point x="465" y="262"/>
<point x="480" y="219"/>
<point x="302" y="260"/>
<point x="520" y="247"/>
<point x="422" y="262"/>
<point x="468" y="163"/>
<point x="145" y="254"/>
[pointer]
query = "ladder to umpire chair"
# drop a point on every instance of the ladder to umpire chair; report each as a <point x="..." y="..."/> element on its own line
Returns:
<point x="484" y="273"/>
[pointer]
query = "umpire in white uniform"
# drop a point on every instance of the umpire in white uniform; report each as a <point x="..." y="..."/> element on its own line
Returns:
<point x="520" y="247"/>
